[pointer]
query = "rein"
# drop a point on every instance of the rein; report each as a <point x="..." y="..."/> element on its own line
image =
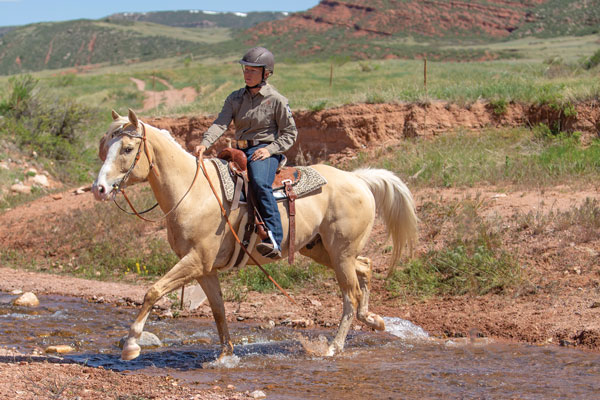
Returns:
<point x="201" y="160"/>
<point x="118" y="187"/>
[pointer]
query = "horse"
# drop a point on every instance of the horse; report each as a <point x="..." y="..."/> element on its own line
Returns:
<point x="332" y="225"/>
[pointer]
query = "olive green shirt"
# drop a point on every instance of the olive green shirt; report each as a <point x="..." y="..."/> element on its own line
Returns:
<point x="265" y="117"/>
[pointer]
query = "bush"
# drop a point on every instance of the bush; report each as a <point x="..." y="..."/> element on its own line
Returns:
<point x="50" y="125"/>
<point x="22" y="90"/>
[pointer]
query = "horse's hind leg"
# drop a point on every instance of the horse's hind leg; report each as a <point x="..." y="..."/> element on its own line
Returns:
<point x="212" y="288"/>
<point x="362" y="268"/>
<point x="363" y="272"/>
<point x="346" y="275"/>
<point x="176" y="277"/>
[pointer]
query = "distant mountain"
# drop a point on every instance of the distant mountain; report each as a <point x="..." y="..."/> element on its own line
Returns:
<point x="356" y="29"/>
<point x="75" y="43"/>
<point x="414" y="28"/>
<point x="121" y="38"/>
<point x="201" y="19"/>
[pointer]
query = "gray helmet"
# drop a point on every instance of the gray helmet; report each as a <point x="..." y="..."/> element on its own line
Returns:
<point x="259" y="57"/>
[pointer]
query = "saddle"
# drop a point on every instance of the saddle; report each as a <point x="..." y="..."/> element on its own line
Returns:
<point x="285" y="178"/>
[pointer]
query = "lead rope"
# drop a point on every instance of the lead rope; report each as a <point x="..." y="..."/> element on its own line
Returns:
<point x="201" y="160"/>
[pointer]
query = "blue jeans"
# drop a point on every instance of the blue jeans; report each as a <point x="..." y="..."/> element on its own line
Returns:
<point x="262" y="175"/>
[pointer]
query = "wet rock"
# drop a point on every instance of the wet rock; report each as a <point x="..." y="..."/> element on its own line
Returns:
<point x="258" y="394"/>
<point x="595" y="304"/>
<point x="301" y="323"/>
<point x="60" y="349"/>
<point x="240" y="318"/>
<point x="17" y="292"/>
<point x="20" y="188"/>
<point x="27" y="299"/>
<point x="268" y="325"/>
<point x="146" y="340"/>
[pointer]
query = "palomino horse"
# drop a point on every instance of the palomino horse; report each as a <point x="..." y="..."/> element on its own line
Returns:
<point x="335" y="222"/>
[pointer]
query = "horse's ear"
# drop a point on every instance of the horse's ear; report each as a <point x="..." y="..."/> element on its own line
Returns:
<point x="133" y="118"/>
<point x="115" y="115"/>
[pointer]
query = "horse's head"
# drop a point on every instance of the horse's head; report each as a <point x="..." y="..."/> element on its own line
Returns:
<point x="121" y="149"/>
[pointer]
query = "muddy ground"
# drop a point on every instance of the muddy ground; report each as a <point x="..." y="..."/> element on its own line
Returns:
<point x="558" y="303"/>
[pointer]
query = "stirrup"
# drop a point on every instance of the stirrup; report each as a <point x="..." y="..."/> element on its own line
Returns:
<point x="268" y="250"/>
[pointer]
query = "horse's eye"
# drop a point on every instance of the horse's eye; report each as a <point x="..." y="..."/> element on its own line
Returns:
<point x="128" y="150"/>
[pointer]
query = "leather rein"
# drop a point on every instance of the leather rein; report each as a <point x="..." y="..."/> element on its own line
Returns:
<point x="119" y="187"/>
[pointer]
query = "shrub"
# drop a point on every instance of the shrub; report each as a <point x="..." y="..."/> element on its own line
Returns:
<point x="22" y="90"/>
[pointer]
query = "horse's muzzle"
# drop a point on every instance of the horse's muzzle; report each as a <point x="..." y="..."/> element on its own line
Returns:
<point x="100" y="191"/>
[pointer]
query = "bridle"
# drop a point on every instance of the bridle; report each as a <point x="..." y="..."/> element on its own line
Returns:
<point x="120" y="188"/>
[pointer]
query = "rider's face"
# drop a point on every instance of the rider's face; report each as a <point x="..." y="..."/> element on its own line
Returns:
<point x="252" y="75"/>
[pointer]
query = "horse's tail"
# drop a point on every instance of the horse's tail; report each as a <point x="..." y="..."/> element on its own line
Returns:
<point x="395" y="205"/>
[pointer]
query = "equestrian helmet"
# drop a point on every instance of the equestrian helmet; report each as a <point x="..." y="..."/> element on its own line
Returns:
<point x="259" y="57"/>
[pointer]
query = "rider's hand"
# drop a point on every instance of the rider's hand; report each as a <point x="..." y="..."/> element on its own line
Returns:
<point x="260" y="154"/>
<point x="199" y="150"/>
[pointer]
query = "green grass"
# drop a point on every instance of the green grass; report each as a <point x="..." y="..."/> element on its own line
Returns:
<point x="456" y="270"/>
<point x="298" y="275"/>
<point x="535" y="158"/>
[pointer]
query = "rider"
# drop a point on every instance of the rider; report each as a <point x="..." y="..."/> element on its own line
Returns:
<point x="264" y="129"/>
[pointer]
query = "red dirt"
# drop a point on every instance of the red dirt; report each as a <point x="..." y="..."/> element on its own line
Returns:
<point x="427" y="18"/>
<point x="338" y="133"/>
<point x="169" y="98"/>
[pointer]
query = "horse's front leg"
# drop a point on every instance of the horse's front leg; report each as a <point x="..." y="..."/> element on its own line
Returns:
<point x="176" y="277"/>
<point x="212" y="288"/>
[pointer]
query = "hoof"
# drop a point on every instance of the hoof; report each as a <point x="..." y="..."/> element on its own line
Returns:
<point x="130" y="351"/>
<point x="375" y="321"/>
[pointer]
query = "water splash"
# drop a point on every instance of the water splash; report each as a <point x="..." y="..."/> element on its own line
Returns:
<point x="223" y="362"/>
<point x="404" y="329"/>
<point x="317" y="347"/>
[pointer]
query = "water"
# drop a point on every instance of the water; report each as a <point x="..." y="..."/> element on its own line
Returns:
<point x="402" y="363"/>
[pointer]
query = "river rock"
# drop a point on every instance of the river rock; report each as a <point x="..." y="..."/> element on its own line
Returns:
<point x="20" y="188"/>
<point x="27" y="299"/>
<point x="147" y="339"/>
<point x="60" y="349"/>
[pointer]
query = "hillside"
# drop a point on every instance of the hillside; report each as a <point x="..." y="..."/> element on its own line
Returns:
<point x="122" y="38"/>
<point x="200" y="19"/>
<point x="74" y="43"/>
<point x="408" y="29"/>
<point x="344" y="29"/>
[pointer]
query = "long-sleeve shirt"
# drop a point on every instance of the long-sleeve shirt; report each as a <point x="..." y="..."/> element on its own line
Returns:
<point x="265" y="117"/>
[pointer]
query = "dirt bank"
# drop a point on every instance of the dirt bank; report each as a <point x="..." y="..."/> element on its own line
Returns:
<point x="340" y="132"/>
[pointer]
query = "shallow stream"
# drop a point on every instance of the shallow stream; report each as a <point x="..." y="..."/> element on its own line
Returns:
<point x="401" y="363"/>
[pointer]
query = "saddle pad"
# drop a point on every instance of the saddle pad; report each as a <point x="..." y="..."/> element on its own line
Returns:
<point x="310" y="180"/>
